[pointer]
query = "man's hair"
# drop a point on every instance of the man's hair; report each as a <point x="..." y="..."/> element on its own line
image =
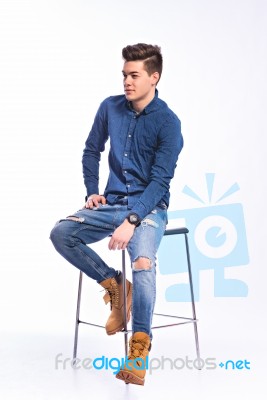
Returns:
<point x="151" y="55"/>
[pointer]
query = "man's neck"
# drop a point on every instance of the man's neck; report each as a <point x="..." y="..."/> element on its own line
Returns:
<point x="138" y="106"/>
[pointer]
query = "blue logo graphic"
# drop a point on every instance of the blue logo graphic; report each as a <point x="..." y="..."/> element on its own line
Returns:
<point x="217" y="239"/>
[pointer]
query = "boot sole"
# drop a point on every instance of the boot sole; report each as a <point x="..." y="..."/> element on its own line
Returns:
<point x="121" y="327"/>
<point x="130" y="377"/>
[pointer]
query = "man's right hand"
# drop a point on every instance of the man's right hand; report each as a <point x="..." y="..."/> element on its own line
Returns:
<point x="94" y="199"/>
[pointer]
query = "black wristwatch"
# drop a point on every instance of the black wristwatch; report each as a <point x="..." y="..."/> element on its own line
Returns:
<point x="133" y="219"/>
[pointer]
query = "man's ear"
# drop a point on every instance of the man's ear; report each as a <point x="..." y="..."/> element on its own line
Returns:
<point x="155" y="77"/>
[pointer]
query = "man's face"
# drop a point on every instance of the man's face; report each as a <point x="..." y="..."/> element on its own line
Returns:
<point x="139" y="87"/>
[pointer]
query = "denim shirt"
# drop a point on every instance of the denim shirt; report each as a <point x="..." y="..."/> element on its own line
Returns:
<point x="144" y="149"/>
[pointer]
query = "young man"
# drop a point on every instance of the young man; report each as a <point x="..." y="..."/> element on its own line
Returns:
<point x="145" y="141"/>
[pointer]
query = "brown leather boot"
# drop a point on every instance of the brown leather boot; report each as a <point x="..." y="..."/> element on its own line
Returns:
<point x="114" y="295"/>
<point x="134" y="369"/>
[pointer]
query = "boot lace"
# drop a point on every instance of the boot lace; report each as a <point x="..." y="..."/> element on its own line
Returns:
<point x="137" y="348"/>
<point x="113" y="293"/>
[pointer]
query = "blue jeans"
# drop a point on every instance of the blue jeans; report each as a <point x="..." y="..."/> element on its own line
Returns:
<point x="71" y="238"/>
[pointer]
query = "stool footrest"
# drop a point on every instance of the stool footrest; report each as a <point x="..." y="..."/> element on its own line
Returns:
<point x="186" y="321"/>
<point x="89" y="323"/>
<point x="174" y="316"/>
<point x="171" y="325"/>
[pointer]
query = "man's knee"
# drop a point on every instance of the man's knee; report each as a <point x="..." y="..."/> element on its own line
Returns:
<point x="54" y="234"/>
<point x="58" y="234"/>
<point x="142" y="263"/>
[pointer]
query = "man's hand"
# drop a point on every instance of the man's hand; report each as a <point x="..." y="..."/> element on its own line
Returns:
<point x="94" y="200"/>
<point x="121" y="236"/>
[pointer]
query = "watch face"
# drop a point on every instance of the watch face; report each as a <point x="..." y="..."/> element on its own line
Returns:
<point x="133" y="218"/>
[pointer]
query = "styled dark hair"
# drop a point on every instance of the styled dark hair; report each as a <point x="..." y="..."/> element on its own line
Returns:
<point x="151" y="55"/>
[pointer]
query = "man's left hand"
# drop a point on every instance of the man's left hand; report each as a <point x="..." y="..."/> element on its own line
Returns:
<point x="121" y="236"/>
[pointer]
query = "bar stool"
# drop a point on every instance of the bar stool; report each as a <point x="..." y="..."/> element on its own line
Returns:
<point x="182" y="320"/>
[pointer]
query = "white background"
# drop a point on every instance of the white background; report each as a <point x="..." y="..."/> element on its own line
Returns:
<point x="58" y="60"/>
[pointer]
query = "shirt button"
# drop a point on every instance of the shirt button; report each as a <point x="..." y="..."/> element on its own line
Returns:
<point x="125" y="172"/>
<point x="128" y="185"/>
<point x="129" y="135"/>
<point x="125" y="154"/>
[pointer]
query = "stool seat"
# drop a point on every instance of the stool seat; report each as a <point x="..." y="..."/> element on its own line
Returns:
<point x="182" y="320"/>
<point x="175" y="231"/>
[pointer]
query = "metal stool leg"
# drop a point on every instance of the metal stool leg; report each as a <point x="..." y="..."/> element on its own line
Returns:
<point x="124" y="302"/>
<point x="192" y="299"/>
<point x="77" y="317"/>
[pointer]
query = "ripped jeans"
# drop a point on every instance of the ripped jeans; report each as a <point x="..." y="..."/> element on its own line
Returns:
<point x="71" y="238"/>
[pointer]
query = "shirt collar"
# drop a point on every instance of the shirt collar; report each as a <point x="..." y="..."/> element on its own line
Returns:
<point x="152" y="106"/>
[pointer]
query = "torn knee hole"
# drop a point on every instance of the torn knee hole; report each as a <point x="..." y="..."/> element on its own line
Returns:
<point x="149" y="222"/>
<point x="142" y="263"/>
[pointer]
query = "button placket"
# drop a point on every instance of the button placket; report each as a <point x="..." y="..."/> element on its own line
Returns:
<point x="126" y="153"/>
